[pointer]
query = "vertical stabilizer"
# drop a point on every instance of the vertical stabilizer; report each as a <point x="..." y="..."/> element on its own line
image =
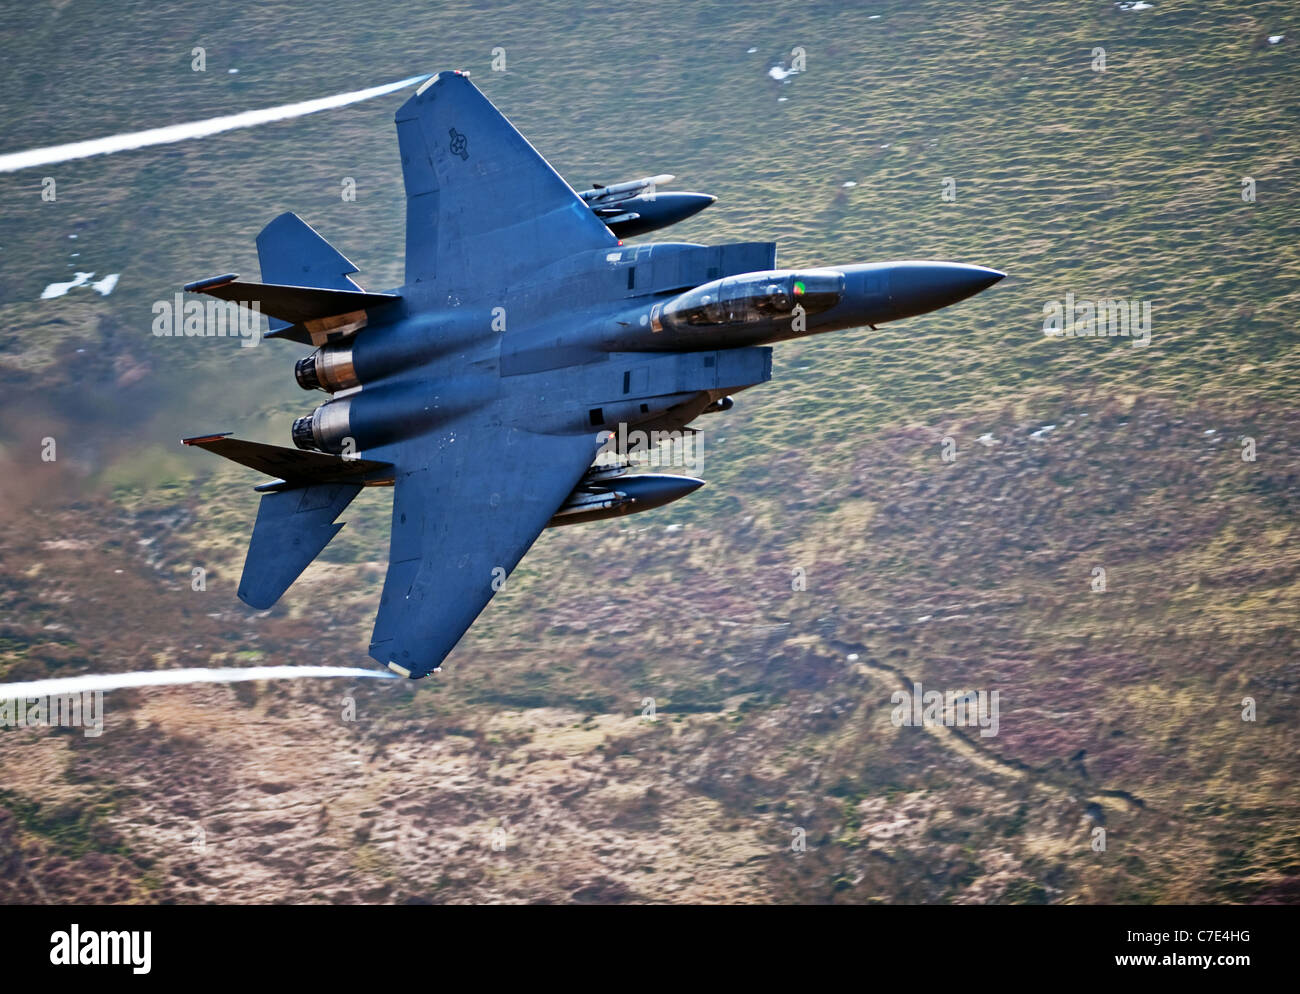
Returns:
<point x="292" y="528"/>
<point x="293" y="254"/>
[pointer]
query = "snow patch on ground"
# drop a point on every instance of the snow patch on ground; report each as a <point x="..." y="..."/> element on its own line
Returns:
<point x="103" y="287"/>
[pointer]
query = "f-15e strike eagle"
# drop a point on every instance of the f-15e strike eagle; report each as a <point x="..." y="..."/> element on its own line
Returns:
<point x="525" y="334"/>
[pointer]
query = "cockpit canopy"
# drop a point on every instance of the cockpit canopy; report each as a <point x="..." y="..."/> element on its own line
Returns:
<point x="768" y="296"/>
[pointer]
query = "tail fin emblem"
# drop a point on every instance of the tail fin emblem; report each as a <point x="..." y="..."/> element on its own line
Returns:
<point x="459" y="144"/>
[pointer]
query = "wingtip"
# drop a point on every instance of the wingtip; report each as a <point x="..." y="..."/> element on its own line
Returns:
<point x="434" y="78"/>
<point x="200" y="439"/>
<point x="210" y="283"/>
<point x="402" y="671"/>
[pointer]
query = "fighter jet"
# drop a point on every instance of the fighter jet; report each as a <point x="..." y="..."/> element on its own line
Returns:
<point x="524" y="342"/>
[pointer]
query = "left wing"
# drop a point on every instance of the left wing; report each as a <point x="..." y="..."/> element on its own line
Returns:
<point x="463" y="517"/>
<point x="480" y="201"/>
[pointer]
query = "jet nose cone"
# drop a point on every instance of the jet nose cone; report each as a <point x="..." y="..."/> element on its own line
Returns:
<point x="690" y="204"/>
<point x="918" y="287"/>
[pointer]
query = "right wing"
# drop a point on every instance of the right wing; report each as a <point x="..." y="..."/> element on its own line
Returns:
<point x="462" y="521"/>
<point x="480" y="201"/>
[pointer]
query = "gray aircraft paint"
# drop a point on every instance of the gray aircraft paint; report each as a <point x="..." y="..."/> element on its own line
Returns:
<point x="525" y="333"/>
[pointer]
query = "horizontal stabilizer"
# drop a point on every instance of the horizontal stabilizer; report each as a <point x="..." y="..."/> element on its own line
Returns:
<point x="292" y="528"/>
<point x="295" y="467"/>
<point x="295" y="304"/>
